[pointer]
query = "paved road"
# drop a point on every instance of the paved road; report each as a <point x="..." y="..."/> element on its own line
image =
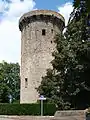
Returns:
<point x="25" y="118"/>
<point x="40" y="118"/>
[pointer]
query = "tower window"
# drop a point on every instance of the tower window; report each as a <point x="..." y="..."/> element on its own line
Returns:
<point x="51" y="30"/>
<point x="43" y="32"/>
<point x="26" y="82"/>
<point x="51" y="41"/>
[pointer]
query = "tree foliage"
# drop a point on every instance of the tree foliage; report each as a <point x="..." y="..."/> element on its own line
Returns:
<point x="69" y="80"/>
<point x="9" y="81"/>
<point x="76" y="4"/>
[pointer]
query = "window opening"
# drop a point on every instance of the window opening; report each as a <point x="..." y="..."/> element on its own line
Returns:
<point x="51" y="30"/>
<point x="51" y="41"/>
<point x="26" y="82"/>
<point x="43" y="32"/>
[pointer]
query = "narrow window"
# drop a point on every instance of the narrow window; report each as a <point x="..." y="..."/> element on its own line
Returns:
<point x="51" y="30"/>
<point x="51" y="41"/>
<point x="26" y="82"/>
<point x="43" y="32"/>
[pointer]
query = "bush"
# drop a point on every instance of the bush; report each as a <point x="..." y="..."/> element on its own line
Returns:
<point x="26" y="109"/>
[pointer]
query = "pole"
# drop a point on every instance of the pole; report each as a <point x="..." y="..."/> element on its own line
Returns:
<point x="41" y="107"/>
<point x="41" y="98"/>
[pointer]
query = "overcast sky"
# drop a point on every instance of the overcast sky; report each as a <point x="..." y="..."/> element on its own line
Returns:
<point x="11" y="11"/>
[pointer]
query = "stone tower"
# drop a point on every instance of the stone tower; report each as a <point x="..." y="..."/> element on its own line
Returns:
<point x="38" y="29"/>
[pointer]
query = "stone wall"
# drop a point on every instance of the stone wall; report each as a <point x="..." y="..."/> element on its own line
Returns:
<point x="69" y="115"/>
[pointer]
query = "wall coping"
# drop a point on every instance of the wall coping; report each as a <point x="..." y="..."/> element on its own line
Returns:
<point x="41" y="15"/>
<point x="43" y="12"/>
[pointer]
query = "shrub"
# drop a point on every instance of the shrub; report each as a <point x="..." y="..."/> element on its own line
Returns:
<point x="26" y="109"/>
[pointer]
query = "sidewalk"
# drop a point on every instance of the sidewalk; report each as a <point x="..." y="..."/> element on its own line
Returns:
<point x="2" y="117"/>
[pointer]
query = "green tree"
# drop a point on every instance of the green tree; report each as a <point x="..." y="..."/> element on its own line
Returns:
<point x="76" y="4"/>
<point x="71" y="64"/>
<point x="9" y="81"/>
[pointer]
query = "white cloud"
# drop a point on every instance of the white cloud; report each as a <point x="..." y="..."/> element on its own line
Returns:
<point x="65" y="10"/>
<point x="10" y="41"/>
<point x="1" y="6"/>
<point x="9" y="32"/>
<point x="17" y="8"/>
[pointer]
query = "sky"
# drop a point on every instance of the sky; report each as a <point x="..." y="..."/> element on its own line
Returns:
<point x="10" y="13"/>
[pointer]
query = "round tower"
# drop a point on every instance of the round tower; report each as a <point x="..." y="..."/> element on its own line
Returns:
<point x="38" y="29"/>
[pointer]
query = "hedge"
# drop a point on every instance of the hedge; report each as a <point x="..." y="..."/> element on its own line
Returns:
<point x="26" y="109"/>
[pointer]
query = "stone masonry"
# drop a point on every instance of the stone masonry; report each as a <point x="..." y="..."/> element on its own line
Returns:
<point x="38" y="29"/>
